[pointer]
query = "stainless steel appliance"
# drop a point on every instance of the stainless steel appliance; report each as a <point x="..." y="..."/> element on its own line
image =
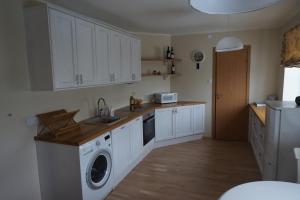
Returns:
<point x="148" y="127"/>
<point x="165" y="97"/>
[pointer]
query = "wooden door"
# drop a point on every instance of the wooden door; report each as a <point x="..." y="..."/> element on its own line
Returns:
<point x="102" y="55"/>
<point x="164" y="124"/>
<point x="85" y="38"/>
<point x="183" y="121"/>
<point x="231" y="76"/>
<point x="63" y="49"/>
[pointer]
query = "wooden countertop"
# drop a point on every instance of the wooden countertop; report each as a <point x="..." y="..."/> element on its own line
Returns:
<point x="260" y="112"/>
<point x="89" y="132"/>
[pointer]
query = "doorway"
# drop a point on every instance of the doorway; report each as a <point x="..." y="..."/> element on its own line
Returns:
<point x="231" y="94"/>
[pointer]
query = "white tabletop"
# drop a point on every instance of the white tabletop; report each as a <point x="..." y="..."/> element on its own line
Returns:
<point x="264" y="190"/>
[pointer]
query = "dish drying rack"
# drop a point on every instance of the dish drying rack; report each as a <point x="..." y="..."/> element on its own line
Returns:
<point x="57" y="123"/>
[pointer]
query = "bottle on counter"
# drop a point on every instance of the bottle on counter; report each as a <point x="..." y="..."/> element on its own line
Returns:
<point x="131" y="103"/>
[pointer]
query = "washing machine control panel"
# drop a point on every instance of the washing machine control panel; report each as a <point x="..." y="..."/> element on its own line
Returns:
<point x="98" y="143"/>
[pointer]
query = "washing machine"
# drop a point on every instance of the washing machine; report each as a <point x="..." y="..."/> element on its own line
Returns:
<point x="96" y="168"/>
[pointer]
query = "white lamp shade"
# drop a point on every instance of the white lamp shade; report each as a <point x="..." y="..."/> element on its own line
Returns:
<point x="229" y="44"/>
<point x="230" y="6"/>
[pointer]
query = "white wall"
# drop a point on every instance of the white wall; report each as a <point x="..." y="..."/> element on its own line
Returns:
<point x="18" y="166"/>
<point x="196" y="85"/>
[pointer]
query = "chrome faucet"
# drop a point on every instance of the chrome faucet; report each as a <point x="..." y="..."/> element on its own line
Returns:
<point x="103" y="111"/>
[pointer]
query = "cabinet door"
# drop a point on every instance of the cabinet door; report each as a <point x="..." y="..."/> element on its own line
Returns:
<point x="85" y="38"/>
<point x="125" y="75"/>
<point x="121" y="149"/>
<point x="102" y="55"/>
<point x="115" y="57"/>
<point x="164" y="124"/>
<point x="184" y="121"/>
<point x="63" y="47"/>
<point x="198" y="118"/>
<point x="136" y="138"/>
<point x="136" y="60"/>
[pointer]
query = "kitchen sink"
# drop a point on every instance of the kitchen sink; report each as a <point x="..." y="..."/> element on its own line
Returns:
<point x="104" y="120"/>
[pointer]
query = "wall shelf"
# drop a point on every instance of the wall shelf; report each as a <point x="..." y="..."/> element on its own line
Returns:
<point x="162" y="74"/>
<point x="159" y="59"/>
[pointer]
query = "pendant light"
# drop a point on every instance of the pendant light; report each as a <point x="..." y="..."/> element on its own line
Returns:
<point x="230" y="6"/>
<point x="229" y="43"/>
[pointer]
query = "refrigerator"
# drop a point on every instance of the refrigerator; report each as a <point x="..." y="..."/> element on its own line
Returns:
<point x="281" y="137"/>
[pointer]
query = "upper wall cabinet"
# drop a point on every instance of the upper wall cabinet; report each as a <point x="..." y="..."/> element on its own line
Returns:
<point x="66" y="50"/>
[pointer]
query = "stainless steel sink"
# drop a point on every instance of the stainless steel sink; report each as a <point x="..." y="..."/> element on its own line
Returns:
<point x="104" y="120"/>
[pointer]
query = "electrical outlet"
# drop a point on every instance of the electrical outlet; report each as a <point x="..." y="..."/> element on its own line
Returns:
<point x="32" y="121"/>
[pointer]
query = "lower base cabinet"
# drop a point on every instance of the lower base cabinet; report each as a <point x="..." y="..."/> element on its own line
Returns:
<point x="136" y="138"/>
<point x="121" y="150"/>
<point x="179" y="121"/>
<point x="256" y="138"/>
<point x="127" y="145"/>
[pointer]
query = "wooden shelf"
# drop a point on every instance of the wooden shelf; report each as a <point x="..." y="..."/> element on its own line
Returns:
<point x="160" y="59"/>
<point x="163" y="74"/>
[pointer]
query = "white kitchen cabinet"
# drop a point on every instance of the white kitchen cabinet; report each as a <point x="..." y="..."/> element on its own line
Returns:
<point x="198" y="118"/>
<point x="183" y="121"/>
<point x="66" y="50"/>
<point x="85" y="41"/>
<point x="115" y="57"/>
<point x="125" y="75"/>
<point x="63" y="49"/>
<point x="256" y="138"/>
<point x="136" y="138"/>
<point x="164" y="124"/>
<point x="121" y="150"/>
<point x="102" y="55"/>
<point x="136" y="60"/>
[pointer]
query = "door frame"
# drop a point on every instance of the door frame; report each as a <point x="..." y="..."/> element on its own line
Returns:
<point x="213" y="128"/>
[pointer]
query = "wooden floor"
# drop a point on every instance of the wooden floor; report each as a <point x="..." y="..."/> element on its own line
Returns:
<point x="202" y="169"/>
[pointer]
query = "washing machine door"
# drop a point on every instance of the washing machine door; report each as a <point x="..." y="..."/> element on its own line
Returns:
<point x="99" y="170"/>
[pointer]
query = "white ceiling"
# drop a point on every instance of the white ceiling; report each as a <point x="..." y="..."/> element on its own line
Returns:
<point x="177" y="17"/>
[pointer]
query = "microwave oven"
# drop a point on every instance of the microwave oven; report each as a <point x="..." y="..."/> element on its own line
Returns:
<point x="165" y="97"/>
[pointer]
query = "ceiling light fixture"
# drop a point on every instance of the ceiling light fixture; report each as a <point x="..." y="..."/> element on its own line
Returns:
<point x="229" y="44"/>
<point x="230" y="6"/>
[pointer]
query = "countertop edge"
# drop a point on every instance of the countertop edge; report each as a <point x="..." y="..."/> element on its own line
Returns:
<point x="260" y="113"/>
<point x="132" y="116"/>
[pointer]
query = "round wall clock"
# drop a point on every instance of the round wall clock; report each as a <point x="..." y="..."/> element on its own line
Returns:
<point x="197" y="57"/>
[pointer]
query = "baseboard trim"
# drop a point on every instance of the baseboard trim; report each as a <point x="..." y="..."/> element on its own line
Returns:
<point x="159" y="144"/>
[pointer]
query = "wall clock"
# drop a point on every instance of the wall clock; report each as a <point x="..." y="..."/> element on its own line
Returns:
<point x="198" y="58"/>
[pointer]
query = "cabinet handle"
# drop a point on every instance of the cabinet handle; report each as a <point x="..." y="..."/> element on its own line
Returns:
<point x="133" y="76"/>
<point x="138" y="119"/>
<point x="77" y="79"/>
<point x="81" y="79"/>
<point x="122" y="127"/>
